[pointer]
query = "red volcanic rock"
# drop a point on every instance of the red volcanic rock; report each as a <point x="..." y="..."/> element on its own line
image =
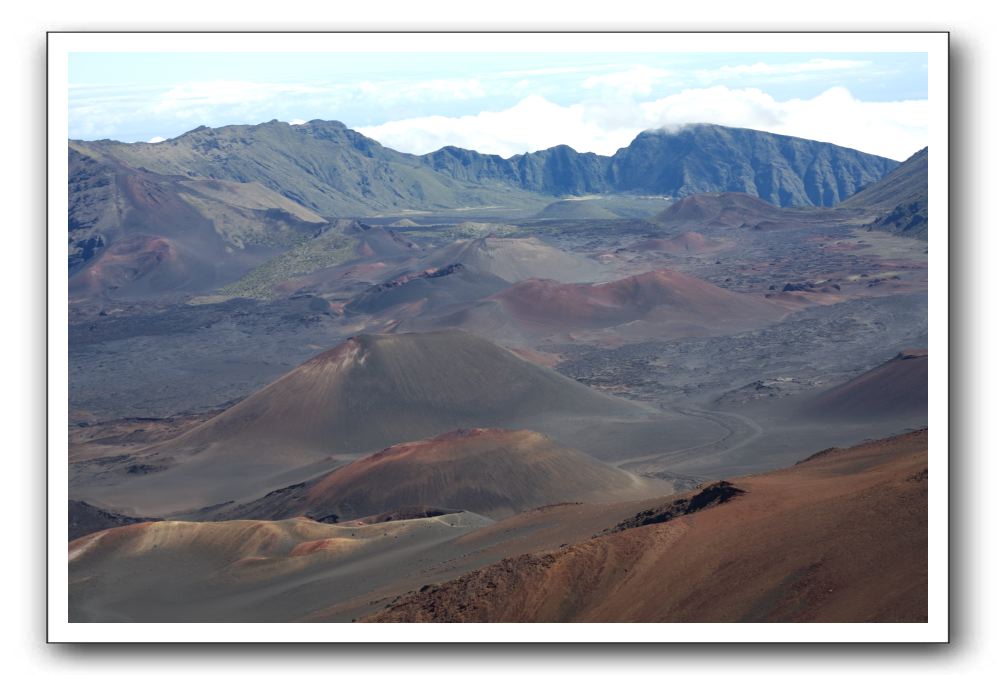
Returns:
<point x="126" y="261"/>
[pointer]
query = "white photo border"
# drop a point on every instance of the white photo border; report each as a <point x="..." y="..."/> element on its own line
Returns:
<point x="62" y="44"/>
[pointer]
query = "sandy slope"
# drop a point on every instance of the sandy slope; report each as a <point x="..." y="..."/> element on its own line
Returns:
<point x="840" y="537"/>
<point x="364" y="395"/>
<point x="897" y="388"/>
<point x="493" y="472"/>
<point x="241" y="570"/>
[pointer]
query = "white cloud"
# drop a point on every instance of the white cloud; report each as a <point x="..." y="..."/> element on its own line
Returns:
<point x="104" y="111"/>
<point x="450" y="89"/>
<point x="297" y="121"/>
<point x="636" y="81"/>
<point x="893" y="129"/>
<point x="194" y="99"/>
<point x="556" y="70"/>
<point x="600" y="109"/>
<point x="761" y="69"/>
<point x="532" y="124"/>
<point x="719" y="105"/>
<point x="156" y="139"/>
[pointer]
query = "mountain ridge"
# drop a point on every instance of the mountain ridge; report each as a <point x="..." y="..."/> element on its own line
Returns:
<point x="365" y="175"/>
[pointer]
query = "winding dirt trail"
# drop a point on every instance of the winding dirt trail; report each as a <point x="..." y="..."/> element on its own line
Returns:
<point x="739" y="431"/>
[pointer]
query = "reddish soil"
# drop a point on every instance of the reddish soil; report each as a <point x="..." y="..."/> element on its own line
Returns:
<point x="673" y="295"/>
<point x="494" y="472"/>
<point x="124" y="262"/>
<point x="839" y="537"/>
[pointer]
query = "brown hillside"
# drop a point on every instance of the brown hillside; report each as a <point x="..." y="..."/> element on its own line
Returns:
<point x="839" y="537"/>
<point x="896" y="388"/>
<point x="493" y="472"/>
<point x="730" y="209"/>
<point x="661" y="302"/>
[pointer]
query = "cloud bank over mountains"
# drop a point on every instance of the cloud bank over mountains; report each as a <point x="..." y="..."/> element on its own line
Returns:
<point x="596" y="107"/>
<point x="891" y="129"/>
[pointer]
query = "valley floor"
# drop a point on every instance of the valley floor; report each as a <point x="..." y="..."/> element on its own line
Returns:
<point x="209" y="434"/>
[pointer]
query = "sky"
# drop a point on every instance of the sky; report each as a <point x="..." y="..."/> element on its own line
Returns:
<point x="507" y="103"/>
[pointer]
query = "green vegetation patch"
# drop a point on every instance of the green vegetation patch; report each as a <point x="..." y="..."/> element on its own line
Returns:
<point x="328" y="249"/>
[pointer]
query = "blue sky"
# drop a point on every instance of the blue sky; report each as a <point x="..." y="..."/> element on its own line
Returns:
<point x="509" y="102"/>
